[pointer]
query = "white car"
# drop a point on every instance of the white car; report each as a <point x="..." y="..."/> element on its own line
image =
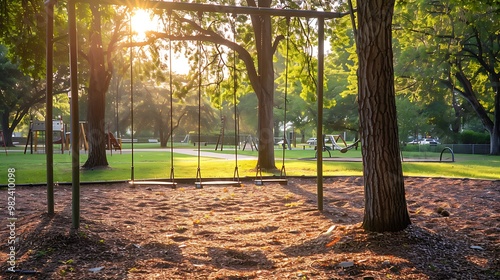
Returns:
<point x="429" y="141"/>
<point x="312" y="141"/>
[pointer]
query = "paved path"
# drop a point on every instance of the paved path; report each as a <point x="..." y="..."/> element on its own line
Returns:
<point x="191" y="152"/>
<point x="214" y="155"/>
<point x="194" y="152"/>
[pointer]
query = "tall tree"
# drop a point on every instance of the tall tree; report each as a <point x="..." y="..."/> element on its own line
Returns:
<point x="454" y="45"/>
<point x="385" y="202"/>
<point x="256" y="49"/>
<point x="153" y="112"/>
<point x="22" y="30"/>
<point x="412" y="119"/>
<point x="18" y="92"/>
<point x="22" y="59"/>
<point x="100" y="62"/>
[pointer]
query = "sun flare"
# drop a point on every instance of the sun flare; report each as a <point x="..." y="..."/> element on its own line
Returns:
<point x="142" y="23"/>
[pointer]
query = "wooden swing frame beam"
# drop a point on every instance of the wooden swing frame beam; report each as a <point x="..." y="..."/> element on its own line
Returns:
<point x="148" y="4"/>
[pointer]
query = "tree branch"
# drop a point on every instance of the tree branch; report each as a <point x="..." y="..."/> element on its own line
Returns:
<point x="210" y="36"/>
<point x="468" y="94"/>
<point x="276" y="42"/>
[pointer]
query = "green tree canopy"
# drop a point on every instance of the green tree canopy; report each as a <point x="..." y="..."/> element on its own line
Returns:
<point x="450" y="50"/>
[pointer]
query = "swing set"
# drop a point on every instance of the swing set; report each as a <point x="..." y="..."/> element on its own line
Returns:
<point x="132" y="181"/>
<point x="199" y="181"/>
<point x="171" y="6"/>
<point x="282" y="180"/>
<point x="236" y="176"/>
<point x="335" y="146"/>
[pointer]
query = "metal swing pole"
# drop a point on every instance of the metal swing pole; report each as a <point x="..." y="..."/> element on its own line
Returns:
<point x="213" y="8"/>
<point x="198" y="170"/>
<point x="319" y="134"/>
<point x="171" y="100"/>
<point x="236" y="175"/>
<point x="283" y="170"/>
<point x="132" y="173"/>
<point x="75" y="133"/>
<point x="49" y="8"/>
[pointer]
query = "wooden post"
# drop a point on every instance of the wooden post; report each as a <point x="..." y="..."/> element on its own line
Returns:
<point x="75" y="132"/>
<point x="319" y="134"/>
<point x="49" y="148"/>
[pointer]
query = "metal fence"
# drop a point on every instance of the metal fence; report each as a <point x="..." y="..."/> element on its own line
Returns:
<point x="475" y="149"/>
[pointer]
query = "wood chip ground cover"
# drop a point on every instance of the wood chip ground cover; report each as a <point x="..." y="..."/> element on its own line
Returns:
<point x="255" y="232"/>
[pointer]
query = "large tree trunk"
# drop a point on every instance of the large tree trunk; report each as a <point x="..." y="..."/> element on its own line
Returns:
<point x="385" y="202"/>
<point x="6" y="131"/>
<point x="98" y="86"/>
<point x="266" y="133"/>
<point x="163" y="133"/>
<point x="495" y="135"/>
<point x="265" y="94"/>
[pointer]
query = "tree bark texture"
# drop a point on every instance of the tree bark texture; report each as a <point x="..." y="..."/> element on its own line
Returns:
<point x="7" y="131"/>
<point x="264" y="88"/>
<point x="495" y="136"/>
<point x="385" y="202"/>
<point x="98" y="85"/>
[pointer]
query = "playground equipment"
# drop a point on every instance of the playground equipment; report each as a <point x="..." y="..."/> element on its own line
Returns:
<point x="250" y="140"/>
<point x="199" y="183"/>
<point x="83" y="144"/>
<point x="334" y="144"/>
<point x="186" y="139"/>
<point x="112" y="143"/>
<point x="446" y="155"/>
<point x="172" y="182"/>
<point x="38" y="127"/>
<point x="172" y="6"/>
<point x="282" y="180"/>
<point x="220" y="139"/>
<point x="451" y="153"/>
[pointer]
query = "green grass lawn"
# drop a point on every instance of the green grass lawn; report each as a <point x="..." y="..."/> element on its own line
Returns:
<point x="30" y="168"/>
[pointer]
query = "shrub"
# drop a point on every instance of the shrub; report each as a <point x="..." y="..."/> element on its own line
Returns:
<point x="473" y="137"/>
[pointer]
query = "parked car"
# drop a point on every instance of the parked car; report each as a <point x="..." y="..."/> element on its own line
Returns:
<point x="414" y="142"/>
<point x="312" y="141"/>
<point x="429" y="141"/>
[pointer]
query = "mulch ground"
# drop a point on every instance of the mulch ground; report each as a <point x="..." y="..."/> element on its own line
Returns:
<point x="254" y="232"/>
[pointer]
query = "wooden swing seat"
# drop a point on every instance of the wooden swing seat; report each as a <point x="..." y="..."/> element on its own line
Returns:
<point x="261" y="182"/>
<point x="162" y="183"/>
<point x="199" y="185"/>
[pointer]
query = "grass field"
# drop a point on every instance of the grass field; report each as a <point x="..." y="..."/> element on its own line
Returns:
<point x="149" y="164"/>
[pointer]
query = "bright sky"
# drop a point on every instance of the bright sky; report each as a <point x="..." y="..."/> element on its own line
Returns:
<point x="142" y="23"/>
